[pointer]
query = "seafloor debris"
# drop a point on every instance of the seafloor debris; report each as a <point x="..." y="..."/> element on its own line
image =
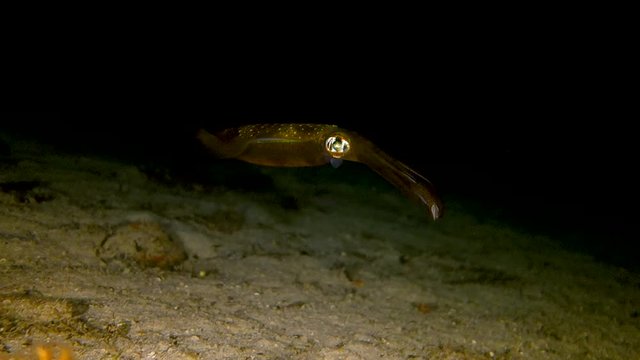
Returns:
<point x="42" y="352"/>
<point x="144" y="243"/>
<point x="26" y="192"/>
<point x="32" y="313"/>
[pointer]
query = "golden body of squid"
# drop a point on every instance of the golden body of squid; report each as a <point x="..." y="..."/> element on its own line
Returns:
<point x="314" y="145"/>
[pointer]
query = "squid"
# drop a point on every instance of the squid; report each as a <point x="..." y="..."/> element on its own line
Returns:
<point x="297" y="145"/>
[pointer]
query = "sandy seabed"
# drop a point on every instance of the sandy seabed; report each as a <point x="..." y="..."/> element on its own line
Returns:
<point x="115" y="261"/>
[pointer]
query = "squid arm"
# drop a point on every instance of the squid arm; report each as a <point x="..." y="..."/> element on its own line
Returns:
<point x="315" y="145"/>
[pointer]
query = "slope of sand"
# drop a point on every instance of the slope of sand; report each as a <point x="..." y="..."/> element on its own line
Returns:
<point x="120" y="261"/>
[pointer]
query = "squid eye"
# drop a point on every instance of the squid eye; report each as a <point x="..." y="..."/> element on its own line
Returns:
<point x="337" y="145"/>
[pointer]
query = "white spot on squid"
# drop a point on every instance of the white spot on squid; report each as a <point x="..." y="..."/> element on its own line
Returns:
<point x="435" y="211"/>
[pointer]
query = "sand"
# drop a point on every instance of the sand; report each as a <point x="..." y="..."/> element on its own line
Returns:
<point x="116" y="260"/>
